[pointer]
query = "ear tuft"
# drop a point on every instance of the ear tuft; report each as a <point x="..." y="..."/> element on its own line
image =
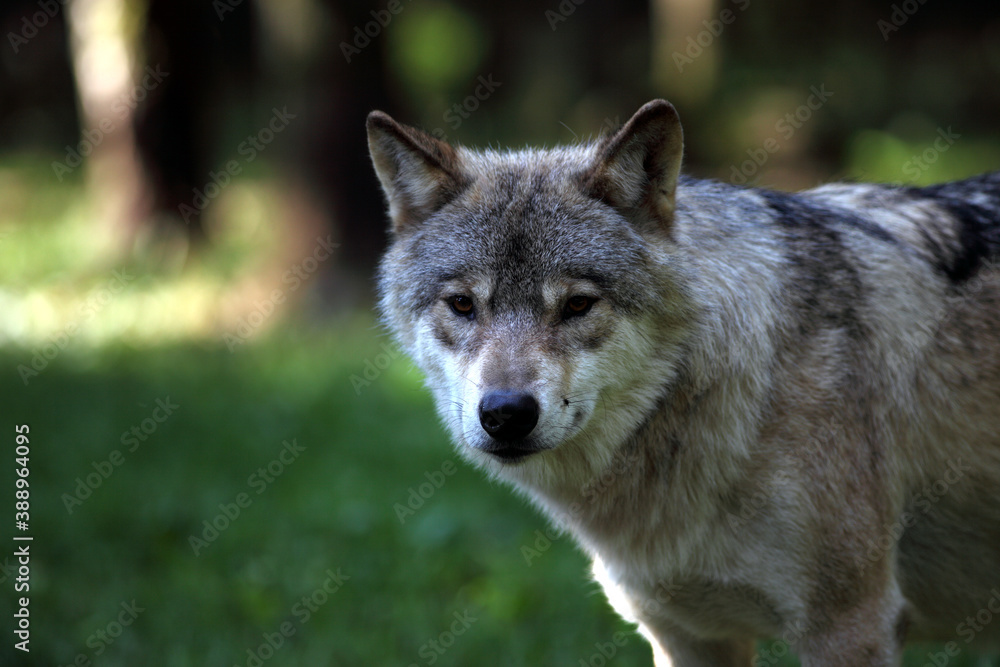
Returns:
<point x="418" y="173"/>
<point x="636" y="169"/>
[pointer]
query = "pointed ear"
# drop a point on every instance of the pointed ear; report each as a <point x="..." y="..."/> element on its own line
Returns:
<point x="419" y="173"/>
<point x="638" y="166"/>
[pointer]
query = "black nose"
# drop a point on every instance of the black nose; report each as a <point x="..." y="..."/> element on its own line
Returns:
<point x="508" y="415"/>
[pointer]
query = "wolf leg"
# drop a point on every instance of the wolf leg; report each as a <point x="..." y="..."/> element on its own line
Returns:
<point x="870" y="635"/>
<point x="678" y="651"/>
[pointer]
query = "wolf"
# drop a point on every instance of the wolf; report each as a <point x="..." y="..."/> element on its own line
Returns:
<point x="763" y="414"/>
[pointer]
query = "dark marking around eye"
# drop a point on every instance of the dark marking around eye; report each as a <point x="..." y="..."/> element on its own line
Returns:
<point x="442" y="334"/>
<point x="596" y="277"/>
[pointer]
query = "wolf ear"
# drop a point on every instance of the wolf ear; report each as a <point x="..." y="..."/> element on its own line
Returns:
<point x="419" y="173"/>
<point x="638" y="166"/>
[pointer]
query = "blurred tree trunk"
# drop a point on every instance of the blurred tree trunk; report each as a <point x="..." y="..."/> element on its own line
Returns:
<point x="336" y="156"/>
<point x="151" y="78"/>
<point x="104" y="61"/>
<point x="208" y="56"/>
<point x="685" y="57"/>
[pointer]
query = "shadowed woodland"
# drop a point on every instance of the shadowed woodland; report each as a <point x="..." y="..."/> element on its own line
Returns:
<point x="230" y="461"/>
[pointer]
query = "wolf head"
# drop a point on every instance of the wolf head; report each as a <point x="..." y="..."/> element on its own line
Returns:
<point x="537" y="289"/>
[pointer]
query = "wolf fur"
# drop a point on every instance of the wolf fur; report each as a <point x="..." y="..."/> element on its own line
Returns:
<point x="778" y="415"/>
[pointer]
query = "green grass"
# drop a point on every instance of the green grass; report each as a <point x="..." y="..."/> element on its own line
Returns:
<point x="332" y="508"/>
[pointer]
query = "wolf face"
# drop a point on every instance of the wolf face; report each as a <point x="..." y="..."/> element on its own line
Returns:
<point x="533" y="291"/>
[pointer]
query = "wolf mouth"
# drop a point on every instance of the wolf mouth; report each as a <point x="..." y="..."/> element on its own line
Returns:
<point x="511" y="452"/>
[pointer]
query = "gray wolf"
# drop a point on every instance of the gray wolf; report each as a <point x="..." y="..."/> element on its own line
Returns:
<point x="764" y="414"/>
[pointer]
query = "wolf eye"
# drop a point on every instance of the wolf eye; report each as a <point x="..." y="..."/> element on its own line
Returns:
<point x="461" y="305"/>
<point x="577" y="306"/>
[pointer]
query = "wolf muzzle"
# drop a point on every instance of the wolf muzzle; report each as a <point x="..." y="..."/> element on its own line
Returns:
<point x="508" y="417"/>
